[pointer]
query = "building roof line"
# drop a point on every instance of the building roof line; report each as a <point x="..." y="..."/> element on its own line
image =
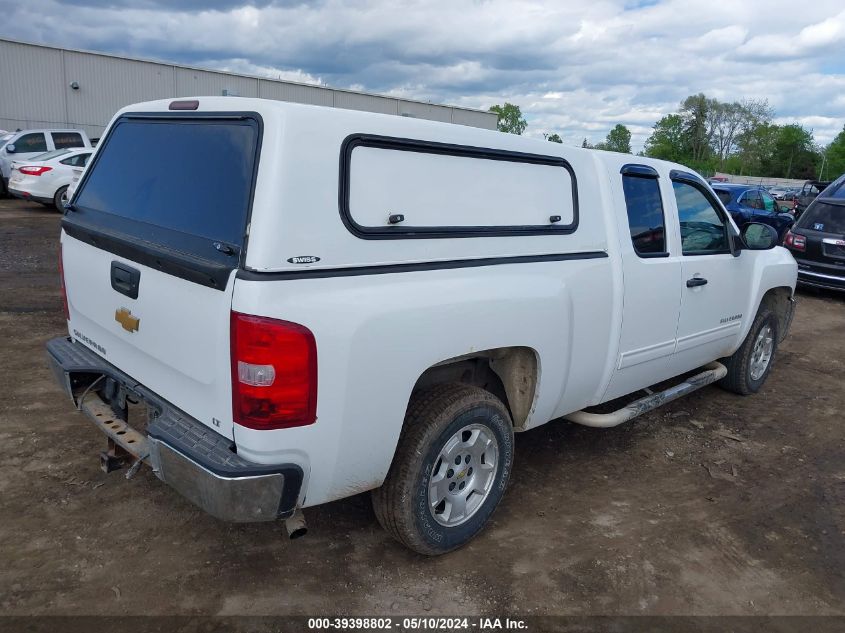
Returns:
<point x="239" y="75"/>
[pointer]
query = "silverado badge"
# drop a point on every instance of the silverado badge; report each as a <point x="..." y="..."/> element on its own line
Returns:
<point x="125" y="318"/>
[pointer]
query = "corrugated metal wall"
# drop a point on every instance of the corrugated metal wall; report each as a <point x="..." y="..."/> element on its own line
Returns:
<point x="35" y="90"/>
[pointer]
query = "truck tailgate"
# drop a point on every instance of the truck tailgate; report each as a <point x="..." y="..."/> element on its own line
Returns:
<point x="179" y="345"/>
<point x="150" y="248"/>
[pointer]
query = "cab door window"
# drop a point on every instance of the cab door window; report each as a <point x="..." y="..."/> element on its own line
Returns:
<point x="703" y="229"/>
<point x="28" y="143"/>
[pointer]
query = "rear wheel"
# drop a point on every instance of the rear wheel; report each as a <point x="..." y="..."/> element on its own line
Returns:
<point x="750" y="365"/>
<point x="60" y="198"/>
<point x="450" y="470"/>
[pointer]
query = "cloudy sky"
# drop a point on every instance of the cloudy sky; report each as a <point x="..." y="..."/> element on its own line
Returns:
<point x="576" y="67"/>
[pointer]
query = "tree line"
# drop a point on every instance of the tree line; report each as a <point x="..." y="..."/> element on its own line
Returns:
<point x="709" y="135"/>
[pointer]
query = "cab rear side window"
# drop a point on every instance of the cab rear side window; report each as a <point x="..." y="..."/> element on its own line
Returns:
<point x="645" y="210"/>
<point x="64" y="140"/>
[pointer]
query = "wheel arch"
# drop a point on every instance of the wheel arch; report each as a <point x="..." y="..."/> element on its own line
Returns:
<point x="512" y="374"/>
<point x="779" y="300"/>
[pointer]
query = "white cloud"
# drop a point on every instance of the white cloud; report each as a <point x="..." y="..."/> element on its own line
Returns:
<point x="246" y="67"/>
<point x="575" y="68"/>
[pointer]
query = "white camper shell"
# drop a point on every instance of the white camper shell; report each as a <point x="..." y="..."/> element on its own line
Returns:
<point x="315" y="302"/>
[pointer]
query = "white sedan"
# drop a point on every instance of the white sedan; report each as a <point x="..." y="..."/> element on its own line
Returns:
<point x="45" y="178"/>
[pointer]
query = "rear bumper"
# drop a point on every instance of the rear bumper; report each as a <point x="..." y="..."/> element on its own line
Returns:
<point x="185" y="454"/>
<point x="25" y="195"/>
<point x="821" y="280"/>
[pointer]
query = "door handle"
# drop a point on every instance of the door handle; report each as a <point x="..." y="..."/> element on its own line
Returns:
<point x="125" y="279"/>
<point x="696" y="281"/>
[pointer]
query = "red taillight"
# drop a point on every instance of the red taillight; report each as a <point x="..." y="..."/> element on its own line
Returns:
<point x="274" y="373"/>
<point x="62" y="283"/>
<point x="793" y="240"/>
<point x="34" y="171"/>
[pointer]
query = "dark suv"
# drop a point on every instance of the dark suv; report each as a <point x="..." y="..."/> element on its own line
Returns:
<point x="817" y="240"/>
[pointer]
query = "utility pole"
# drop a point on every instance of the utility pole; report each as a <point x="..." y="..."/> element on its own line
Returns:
<point x="824" y="160"/>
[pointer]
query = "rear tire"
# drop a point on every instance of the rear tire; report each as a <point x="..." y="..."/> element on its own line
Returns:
<point x="58" y="199"/>
<point x="450" y="469"/>
<point x="749" y="366"/>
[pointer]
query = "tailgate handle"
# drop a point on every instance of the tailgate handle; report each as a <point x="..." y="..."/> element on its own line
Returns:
<point x="125" y="279"/>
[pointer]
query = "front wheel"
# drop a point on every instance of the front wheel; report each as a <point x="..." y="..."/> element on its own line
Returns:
<point x="450" y="469"/>
<point x="749" y="366"/>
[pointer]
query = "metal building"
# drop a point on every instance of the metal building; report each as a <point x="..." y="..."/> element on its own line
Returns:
<point x="48" y="87"/>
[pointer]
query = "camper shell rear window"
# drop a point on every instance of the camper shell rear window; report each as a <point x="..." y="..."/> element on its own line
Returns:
<point x="192" y="175"/>
<point x="173" y="191"/>
<point x="393" y="188"/>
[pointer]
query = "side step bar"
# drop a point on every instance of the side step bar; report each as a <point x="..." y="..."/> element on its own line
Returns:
<point x="712" y="372"/>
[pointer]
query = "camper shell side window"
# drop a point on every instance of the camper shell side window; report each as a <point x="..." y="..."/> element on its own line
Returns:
<point x="394" y="188"/>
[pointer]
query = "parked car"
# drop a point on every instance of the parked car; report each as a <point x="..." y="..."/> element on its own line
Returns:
<point x="29" y="143"/>
<point x="46" y="177"/>
<point x="817" y="241"/>
<point x="778" y="193"/>
<point x="750" y="203"/>
<point x="391" y="338"/>
<point x="808" y="193"/>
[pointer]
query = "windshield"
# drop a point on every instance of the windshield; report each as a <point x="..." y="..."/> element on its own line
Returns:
<point x="49" y="155"/>
<point x="195" y="177"/>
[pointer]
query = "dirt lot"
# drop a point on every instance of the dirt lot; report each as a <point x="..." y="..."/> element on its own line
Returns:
<point x="716" y="504"/>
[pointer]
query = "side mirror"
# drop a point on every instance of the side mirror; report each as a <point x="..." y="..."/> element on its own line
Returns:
<point x="10" y="148"/>
<point x="759" y="237"/>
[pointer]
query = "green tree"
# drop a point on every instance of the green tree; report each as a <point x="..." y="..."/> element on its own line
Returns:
<point x="698" y="115"/>
<point x="510" y="118"/>
<point x="667" y="140"/>
<point x="585" y="144"/>
<point x="756" y="149"/>
<point x="834" y="162"/>
<point x="554" y="138"/>
<point x="618" y="140"/>
<point x="795" y="153"/>
<point x="729" y="120"/>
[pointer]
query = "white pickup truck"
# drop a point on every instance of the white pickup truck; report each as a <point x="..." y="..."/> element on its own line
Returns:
<point x="283" y="305"/>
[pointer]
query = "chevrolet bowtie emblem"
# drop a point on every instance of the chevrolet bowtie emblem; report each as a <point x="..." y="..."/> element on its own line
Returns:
<point x="125" y="318"/>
